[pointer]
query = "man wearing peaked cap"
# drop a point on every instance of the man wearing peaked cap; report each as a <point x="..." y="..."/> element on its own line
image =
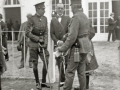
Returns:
<point x="40" y="4"/>
<point x="77" y="39"/>
<point x="38" y="35"/>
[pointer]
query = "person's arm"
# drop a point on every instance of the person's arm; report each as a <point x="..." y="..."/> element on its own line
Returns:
<point x="72" y="35"/>
<point x="111" y="22"/>
<point x="66" y="35"/>
<point x="28" y="31"/>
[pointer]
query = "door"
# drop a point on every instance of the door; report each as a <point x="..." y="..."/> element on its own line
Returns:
<point x="99" y="12"/>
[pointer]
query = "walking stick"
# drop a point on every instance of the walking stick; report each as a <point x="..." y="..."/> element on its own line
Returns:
<point x="60" y="70"/>
<point x="46" y="66"/>
<point x="60" y="76"/>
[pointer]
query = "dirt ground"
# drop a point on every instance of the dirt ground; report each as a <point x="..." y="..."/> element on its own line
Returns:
<point x="106" y="77"/>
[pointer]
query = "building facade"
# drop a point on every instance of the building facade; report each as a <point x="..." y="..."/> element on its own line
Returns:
<point x="98" y="11"/>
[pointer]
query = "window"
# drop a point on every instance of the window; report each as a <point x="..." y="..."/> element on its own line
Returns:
<point x="98" y="13"/>
<point x="92" y="8"/>
<point x="12" y="2"/>
<point x="104" y="15"/>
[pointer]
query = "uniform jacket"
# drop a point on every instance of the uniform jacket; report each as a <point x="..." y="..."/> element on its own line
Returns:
<point x="79" y="25"/>
<point x="21" y="33"/>
<point x="59" y="29"/>
<point x="36" y="21"/>
<point x="111" y="24"/>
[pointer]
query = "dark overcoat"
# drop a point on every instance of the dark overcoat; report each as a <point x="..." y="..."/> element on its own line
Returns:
<point x="111" y="24"/>
<point x="59" y="29"/>
<point x="93" y="63"/>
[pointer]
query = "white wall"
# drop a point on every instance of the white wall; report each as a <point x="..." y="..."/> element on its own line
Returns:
<point x="27" y="6"/>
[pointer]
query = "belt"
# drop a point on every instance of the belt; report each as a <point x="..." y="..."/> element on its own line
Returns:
<point x="85" y="35"/>
<point x="74" y="45"/>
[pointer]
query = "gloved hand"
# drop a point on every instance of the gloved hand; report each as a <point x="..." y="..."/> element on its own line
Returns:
<point x="41" y="41"/>
<point x="60" y="43"/>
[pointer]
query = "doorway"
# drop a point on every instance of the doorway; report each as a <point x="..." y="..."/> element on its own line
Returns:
<point x="13" y="15"/>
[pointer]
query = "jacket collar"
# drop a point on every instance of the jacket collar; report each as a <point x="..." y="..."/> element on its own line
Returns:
<point x="58" y="16"/>
<point x="38" y="15"/>
<point x="78" y="12"/>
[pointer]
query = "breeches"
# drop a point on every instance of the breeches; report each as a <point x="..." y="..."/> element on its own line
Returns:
<point x="70" y="72"/>
<point x="34" y="53"/>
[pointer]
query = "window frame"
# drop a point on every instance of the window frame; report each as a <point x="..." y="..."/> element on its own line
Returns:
<point x="98" y="14"/>
<point x="12" y="3"/>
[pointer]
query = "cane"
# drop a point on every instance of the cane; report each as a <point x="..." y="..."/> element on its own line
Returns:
<point x="61" y="69"/>
<point x="46" y="66"/>
<point x="59" y="76"/>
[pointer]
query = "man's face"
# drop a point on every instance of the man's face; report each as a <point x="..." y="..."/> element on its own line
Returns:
<point x="28" y="18"/>
<point x="0" y="19"/>
<point x="112" y="15"/>
<point x="60" y="9"/>
<point x="41" y="11"/>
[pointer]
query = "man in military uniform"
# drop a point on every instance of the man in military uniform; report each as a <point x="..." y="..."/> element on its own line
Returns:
<point x="38" y="35"/>
<point x="77" y="39"/>
<point x="59" y="28"/>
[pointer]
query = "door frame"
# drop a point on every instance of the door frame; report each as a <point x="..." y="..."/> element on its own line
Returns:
<point x="100" y="36"/>
<point x="12" y="6"/>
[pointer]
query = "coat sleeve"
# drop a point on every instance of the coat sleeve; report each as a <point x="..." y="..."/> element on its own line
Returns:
<point x="46" y="34"/>
<point x="110" y="22"/>
<point x="28" y="31"/>
<point x="52" y="33"/>
<point x="72" y="35"/>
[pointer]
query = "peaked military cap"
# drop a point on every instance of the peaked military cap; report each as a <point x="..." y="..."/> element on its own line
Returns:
<point x="76" y="2"/>
<point x="40" y="4"/>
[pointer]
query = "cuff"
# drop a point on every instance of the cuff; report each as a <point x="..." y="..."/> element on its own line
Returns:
<point x="58" y="42"/>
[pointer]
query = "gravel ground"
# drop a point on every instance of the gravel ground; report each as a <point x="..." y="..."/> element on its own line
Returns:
<point x="106" y="77"/>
